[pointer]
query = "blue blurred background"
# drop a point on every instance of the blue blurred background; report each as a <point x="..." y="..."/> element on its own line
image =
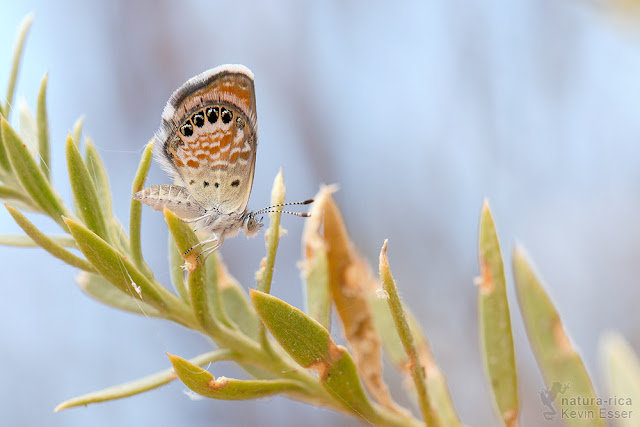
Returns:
<point x="418" y="110"/>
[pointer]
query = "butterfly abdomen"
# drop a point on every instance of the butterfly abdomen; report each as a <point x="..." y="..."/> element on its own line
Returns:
<point x="173" y="197"/>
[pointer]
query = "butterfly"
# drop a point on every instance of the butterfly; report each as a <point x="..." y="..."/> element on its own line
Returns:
<point x="207" y="141"/>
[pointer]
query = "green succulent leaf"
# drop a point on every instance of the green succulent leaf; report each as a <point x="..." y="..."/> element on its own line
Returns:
<point x="118" y="270"/>
<point x="439" y="394"/>
<point x="99" y="177"/>
<point x="622" y="376"/>
<point x="5" y="163"/>
<point x="28" y="128"/>
<point x="318" y="298"/>
<point x="143" y="384"/>
<point x="204" y="383"/>
<point x="495" y="322"/>
<point x="562" y="368"/>
<point x="199" y="290"/>
<point x="84" y="192"/>
<point x="47" y="243"/>
<point x="265" y="275"/>
<point x="43" y="129"/>
<point x="406" y="337"/>
<point x="76" y="131"/>
<point x="98" y="288"/>
<point x="237" y="306"/>
<point x="30" y="176"/>
<point x="213" y="291"/>
<point x="135" y="211"/>
<point x="177" y="269"/>
<point x="27" y="242"/>
<point x="9" y="193"/>
<point x="17" y="56"/>
<point x="306" y="340"/>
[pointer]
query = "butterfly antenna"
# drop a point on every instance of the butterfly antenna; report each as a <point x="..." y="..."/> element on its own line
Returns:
<point x="270" y="208"/>
<point x="300" y="214"/>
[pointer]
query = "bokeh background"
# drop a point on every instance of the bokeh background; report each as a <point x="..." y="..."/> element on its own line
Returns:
<point x="418" y="110"/>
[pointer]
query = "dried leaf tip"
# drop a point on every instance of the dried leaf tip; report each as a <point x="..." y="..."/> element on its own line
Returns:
<point x="278" y="192"/>
<point x="384" y="259"/>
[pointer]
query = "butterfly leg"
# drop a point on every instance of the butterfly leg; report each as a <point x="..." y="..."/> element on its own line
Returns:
<point x="210" y="250"/>
<point x="213" y="239"/>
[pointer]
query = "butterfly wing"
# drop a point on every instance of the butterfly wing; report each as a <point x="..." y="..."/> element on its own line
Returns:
<point x="208" y="137"/>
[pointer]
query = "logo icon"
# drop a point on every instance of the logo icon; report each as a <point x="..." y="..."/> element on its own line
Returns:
<point x="549" y="395"/>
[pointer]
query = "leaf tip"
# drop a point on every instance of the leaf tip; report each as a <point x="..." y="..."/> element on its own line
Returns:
<point x="519" y="253"/>
<point x="384" y="259"/>
<point x="485" y="205"/>
<point x="28" y="20"/>
<point x="253" y="294"/>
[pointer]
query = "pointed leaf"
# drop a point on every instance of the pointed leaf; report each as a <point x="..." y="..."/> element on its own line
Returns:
<point x="84" y="192"/>
<point x="8" y="193"/>
<point x="27" y="242"/>
<point x="213" y="290"/>
<point x="318" y="295"/>
<point x="315" y="265"/>
<point x="99" y="288"/>
<point x="311" y="346"/>
<point x="135" y="210"/>
<point x="622" y="376"/>
<point x="203" y="383"/>
<point x="17" y="56"/>
<point x="495" y="322"/>
<point x="439" y="395"/>
<point x="143" y="384"/>
<point x="272" y="236"/>
<point x="28" y="128"/>
<point x="564" y="372"/>
<point x="185" y="238"/>
<point x="31" y="177"/>
<point x="307" y="341"/>
<point x="99" y="177"/>
<point x="352" y="283"/>
<point x="177" y="269"/>
<point x="46" y="243"/>
<point x="406" y="336"/>
<point x="236" y="303"/>
<point x="43" y="129"/>
<point x="118" y="270"/>
<point x="76" y="131"/>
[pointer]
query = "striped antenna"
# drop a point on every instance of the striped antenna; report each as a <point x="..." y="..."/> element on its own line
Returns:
<point x="270" y="208"/>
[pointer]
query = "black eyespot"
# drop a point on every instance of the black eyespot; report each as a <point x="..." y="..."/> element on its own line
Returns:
<point x="226" y="116"/>
<point x="240" y="123"/>
<point x="205" y="184"/>
<point x="235" y="183"/>
<point x="212" y="114"/>
<point x="187" y="128"/>
<point x="191" y="182"/>
<point x="217" y="184"/>
<point x="198" y="119"/>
